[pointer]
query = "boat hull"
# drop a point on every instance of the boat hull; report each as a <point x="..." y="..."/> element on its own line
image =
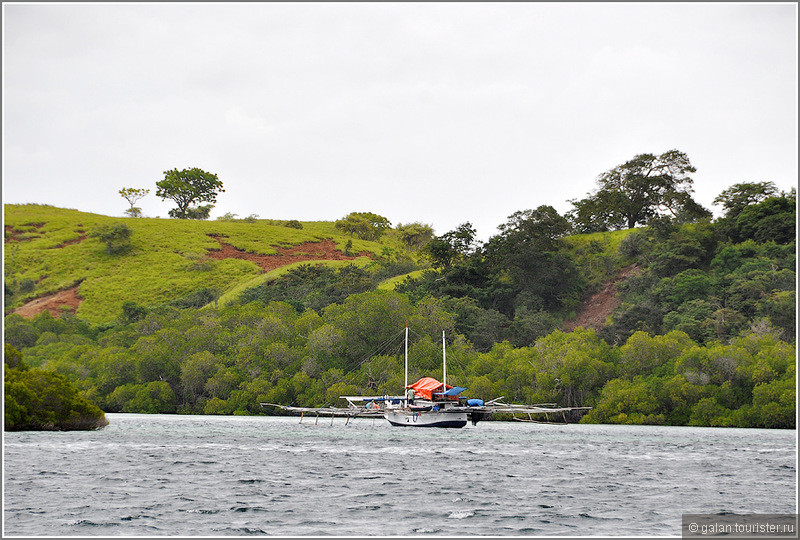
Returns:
<point x="442" y="419"/>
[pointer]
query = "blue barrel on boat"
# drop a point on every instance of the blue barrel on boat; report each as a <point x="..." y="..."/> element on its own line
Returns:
<point x="475" y="402"/>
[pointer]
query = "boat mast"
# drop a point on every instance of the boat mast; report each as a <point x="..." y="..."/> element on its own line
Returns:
<point x="405" y="386"/>
<point x="444" y="365"/>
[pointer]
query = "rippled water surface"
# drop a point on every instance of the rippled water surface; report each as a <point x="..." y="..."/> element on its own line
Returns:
<point x="213" y="476"/>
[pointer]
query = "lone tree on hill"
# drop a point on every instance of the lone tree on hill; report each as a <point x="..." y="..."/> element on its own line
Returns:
<point x="365" y="225"/>
<point x="638" y="190"/>
<point x="189" y="186"/>
<point x="132" y="195"/>
<point x="414" y="235"/>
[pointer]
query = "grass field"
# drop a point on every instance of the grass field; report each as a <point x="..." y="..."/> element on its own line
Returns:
<point x="48" y="249"/>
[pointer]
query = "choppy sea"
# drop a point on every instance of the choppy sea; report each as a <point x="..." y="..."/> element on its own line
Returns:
<point x="168" y="475"/>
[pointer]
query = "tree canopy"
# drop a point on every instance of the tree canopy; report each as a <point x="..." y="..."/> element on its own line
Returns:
<point x="452" y="246"/>
<point x="364" y="225"/>
<point x="414" y="235"/>
<point x="187" y="187"/>
<point x="36" y="399"/>
<point x="633" y="193"/>
<point x="696" y="324"/>
<point x="739" y="196"/>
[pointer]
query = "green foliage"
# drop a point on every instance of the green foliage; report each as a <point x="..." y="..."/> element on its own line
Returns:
<point x="155" y="397"/>
<point x="453" y="247"/>
<point x="13" y="358"/>
<point x="414" y="235"/>
<point x="515" y="287"/>
<point x="312" y="286"/>
<point x="43" y="400"/>
<point x="116" y="237"/>
<point x="637" y="191"/>
<point x="739" y="196"/>
<point x="694" y="282"/>
<point x="600" y="256"/>
<point x="364" y="225"/>
<point x="670" y="379"/>
<point x="530" y="257"/>
<point x="703" y="336"/>
<point x="132" y="312"/>
<point x="198" y="212"/>
<point x="252" y="218"/>
<point x="773" y="219"/>
<point x="161" y="265"/>
<point x="19" y="333"/>
<point x="187" y="187"/>
<point x="196" y="299"/>
<point x="687" y="247"/>
<point x="292" y="223"/>
<point x="27" y="285"/>
<point x="227" y="360"/>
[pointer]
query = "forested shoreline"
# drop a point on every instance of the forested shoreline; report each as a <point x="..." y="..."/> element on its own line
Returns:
<point x="704" y="334"/>
<point x="228" y="361"/>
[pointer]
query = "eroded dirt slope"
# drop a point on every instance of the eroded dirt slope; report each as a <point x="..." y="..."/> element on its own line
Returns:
<point x="595" y="310"/>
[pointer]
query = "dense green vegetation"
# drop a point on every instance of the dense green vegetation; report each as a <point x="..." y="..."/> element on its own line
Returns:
<point x="36" y="399"/>
<point x="704" y="335"/>
<point x="226" y="361"/>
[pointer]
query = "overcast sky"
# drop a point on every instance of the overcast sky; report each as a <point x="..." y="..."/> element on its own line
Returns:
<point x="440" y="113"/>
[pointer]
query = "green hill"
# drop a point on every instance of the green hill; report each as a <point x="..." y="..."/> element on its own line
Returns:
<point x="51" y="250"/>
<point x="674" y="323"/>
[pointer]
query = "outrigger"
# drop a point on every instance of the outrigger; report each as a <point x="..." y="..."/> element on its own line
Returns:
<point x="429" y="403"/>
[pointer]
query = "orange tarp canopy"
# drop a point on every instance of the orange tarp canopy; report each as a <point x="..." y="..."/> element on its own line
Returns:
<point x="426" y="386"/>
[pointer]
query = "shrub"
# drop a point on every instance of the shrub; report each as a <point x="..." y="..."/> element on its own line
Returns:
<point x="115" y="236"/>
<point x="27" y="285"/>
<point x="132" y="312"/>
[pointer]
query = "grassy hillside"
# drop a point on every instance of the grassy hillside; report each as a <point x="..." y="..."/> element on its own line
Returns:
<point x="49" y="249"/>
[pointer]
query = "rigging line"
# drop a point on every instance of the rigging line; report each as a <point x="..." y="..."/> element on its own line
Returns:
<point x="354" y="364"/>
<point x="383" y="347"/>
<point x="384" y="350"/>
<point x="458" y="361"/>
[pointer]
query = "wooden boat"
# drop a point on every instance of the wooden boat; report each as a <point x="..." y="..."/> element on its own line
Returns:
<point x="426" y="403"/>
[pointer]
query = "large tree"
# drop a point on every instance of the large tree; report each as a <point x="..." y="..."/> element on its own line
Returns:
<point x="187" y="187"/>
<point x="633" y="193"/>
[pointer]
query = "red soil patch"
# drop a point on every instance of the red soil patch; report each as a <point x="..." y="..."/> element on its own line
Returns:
<point x="54" y="303"/>
<point x="596" y="309"/>
<point x="16" y="236"/>
<point x="78" y="240"/>
<point x="307" y="251"/>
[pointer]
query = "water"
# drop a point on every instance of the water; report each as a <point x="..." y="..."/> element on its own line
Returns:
<point x="215" y="476"/>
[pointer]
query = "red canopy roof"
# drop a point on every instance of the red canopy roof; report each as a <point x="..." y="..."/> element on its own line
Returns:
<point x="425" y="387"/>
